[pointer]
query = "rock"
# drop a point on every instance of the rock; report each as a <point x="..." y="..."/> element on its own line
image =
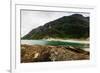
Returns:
<point x="40" y="53"/>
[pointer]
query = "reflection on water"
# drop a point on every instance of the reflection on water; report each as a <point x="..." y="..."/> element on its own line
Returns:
<point x="54" y="43"/>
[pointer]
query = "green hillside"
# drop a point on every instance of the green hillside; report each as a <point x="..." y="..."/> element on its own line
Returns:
<point x="75" y="26"/>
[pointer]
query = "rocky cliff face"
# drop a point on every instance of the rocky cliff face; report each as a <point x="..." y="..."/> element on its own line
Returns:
<point x="73" y="26"/>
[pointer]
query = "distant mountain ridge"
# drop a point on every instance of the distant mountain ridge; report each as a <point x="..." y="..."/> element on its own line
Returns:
<point x="73" y="26"/>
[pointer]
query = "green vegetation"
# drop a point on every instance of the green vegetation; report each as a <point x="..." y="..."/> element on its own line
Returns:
<point x="74" y="26"/>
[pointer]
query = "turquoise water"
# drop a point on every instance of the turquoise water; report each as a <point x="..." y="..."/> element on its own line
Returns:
<point x="54" y="43"/>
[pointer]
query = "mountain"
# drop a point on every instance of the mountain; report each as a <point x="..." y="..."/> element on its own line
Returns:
<point x="75" y="26"/>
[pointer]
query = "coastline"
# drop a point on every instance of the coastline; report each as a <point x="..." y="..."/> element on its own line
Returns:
<point x="69" y="40"/>
<point x="44" y="41"/>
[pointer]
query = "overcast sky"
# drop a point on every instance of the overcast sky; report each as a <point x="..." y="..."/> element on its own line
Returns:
<point x="33" y="19"/>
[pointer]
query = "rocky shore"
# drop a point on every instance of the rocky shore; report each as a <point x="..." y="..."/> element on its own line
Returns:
<point x="40" y="53"/>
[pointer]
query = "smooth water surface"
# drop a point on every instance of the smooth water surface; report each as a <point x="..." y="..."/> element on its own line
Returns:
<point x="54" y="43"/>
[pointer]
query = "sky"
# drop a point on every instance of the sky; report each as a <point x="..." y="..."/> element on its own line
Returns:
<point x="32" y="19"/>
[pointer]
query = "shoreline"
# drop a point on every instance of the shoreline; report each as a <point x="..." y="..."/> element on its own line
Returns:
<point x="69" y="40"/>
<point x="64" y="40"/>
